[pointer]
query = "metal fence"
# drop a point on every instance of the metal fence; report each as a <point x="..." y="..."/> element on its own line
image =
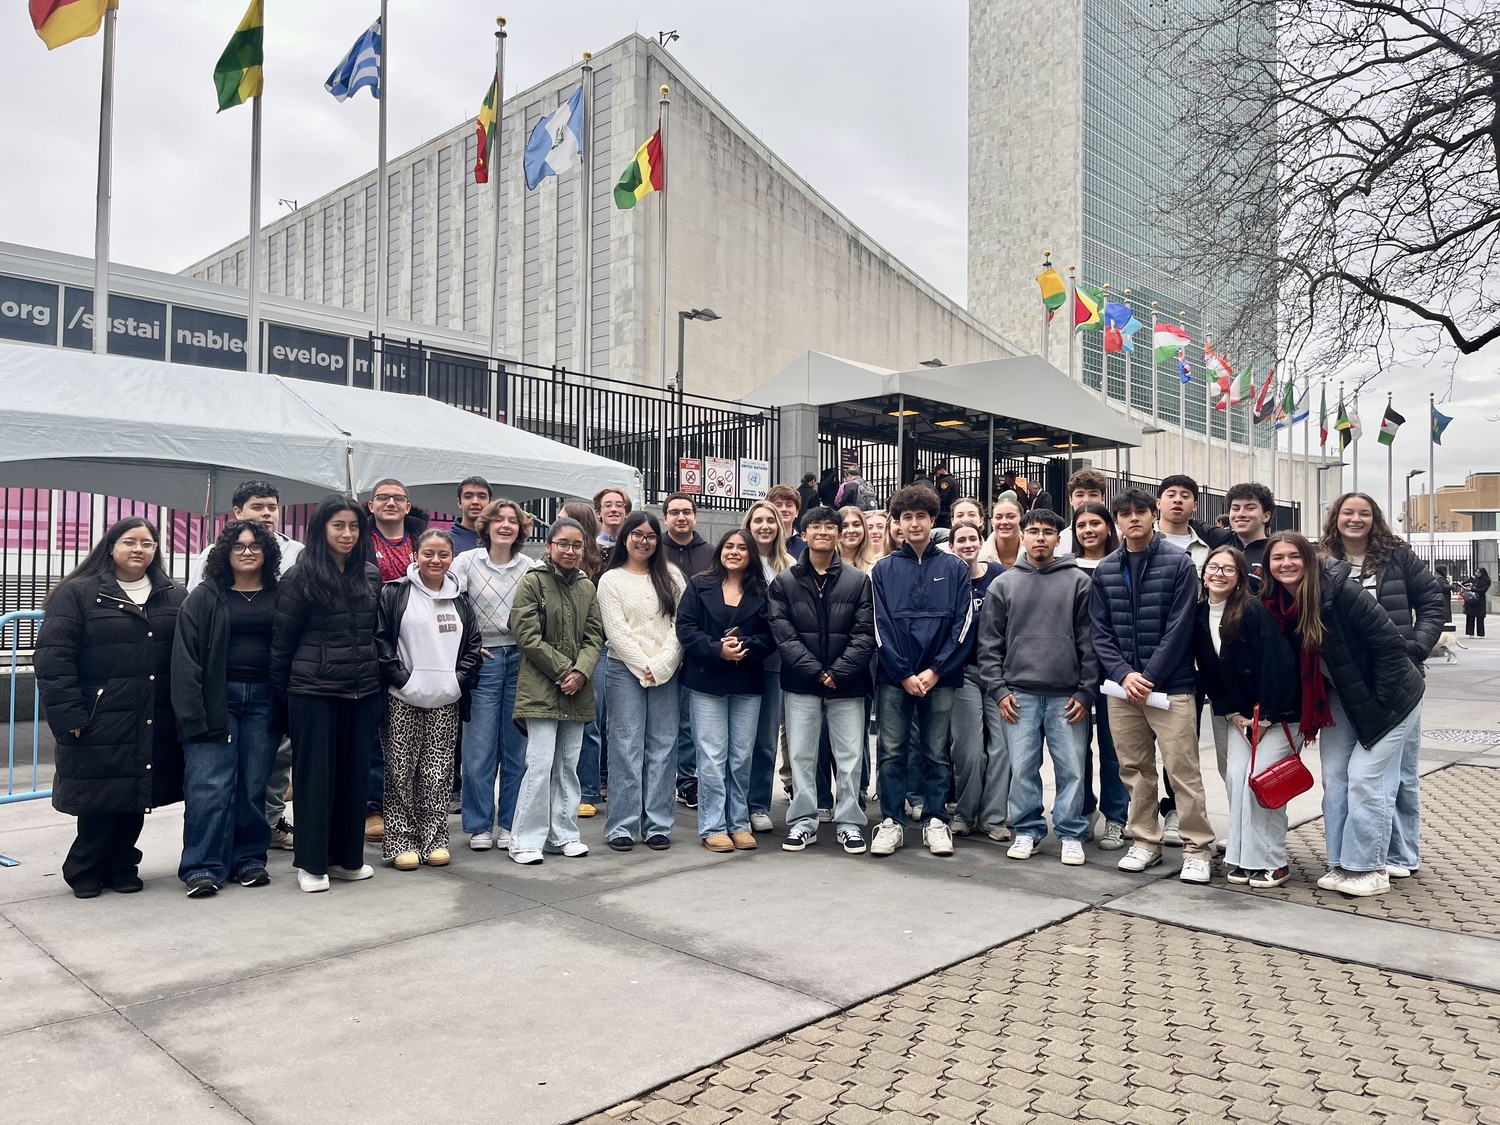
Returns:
<point x="28" y="787"/>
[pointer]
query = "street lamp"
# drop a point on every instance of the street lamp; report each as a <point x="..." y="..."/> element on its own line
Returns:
<point x="1406" y="515"/>
<point x="682" y="319"/>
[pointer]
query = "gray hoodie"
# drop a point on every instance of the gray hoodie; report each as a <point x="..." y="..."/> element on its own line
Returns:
<point x="431" y="635"/>
<point x="1034" y="634"/>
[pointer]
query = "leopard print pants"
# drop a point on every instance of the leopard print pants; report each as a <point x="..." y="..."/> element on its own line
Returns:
<point x="418" y="745"/>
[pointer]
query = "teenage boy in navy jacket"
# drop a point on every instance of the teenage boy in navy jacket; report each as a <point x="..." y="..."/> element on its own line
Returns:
<point x="923" y="611"/>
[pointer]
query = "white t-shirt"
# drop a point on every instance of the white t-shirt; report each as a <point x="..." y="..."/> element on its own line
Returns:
<point x="1182" y="542"/>
<point x="1216" y="623"/>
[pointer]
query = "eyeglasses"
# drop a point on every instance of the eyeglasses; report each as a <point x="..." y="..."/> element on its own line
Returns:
<point x="1218" y="568"/>
<point x="645" y="539"/>
<point x="390" y="498"/>
<point x="247" y="549"/>
<point x="679" y="512"/>
<point x="566" y="544"/>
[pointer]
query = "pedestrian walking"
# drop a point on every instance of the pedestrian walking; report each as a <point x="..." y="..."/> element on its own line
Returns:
<point x="228" y="717"/>
<point x="103" y="669"/>
<point x="1476" y="598"/>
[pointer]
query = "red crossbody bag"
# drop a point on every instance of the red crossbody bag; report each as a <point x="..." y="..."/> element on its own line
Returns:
<point x="1279" y="782"/>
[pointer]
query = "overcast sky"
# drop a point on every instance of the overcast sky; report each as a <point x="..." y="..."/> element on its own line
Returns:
<point x="865" y="98"/>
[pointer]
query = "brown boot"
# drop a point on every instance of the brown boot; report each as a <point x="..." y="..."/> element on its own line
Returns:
<point x="718" y="842"/>
<point x="374" y="827"/>
<point x="744" y="841"/>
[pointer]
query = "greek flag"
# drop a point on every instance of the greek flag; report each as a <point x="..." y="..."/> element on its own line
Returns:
<point x="360" y="68"/>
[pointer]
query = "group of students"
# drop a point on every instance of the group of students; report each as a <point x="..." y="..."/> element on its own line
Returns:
<point x="636" y="666"/>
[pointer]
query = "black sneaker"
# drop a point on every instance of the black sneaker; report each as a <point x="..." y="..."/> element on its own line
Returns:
<point x="659" y="842"/>
<point x="254" y="877"/>
<point x="281" y="835"/>
<point x="126" y="883"/>
<point x="621" y="843"/>
<point x="201" y="886"/>
<point x="797" y="839"/>
<point x="853" y="841"/>
<point x="687" y="793"/>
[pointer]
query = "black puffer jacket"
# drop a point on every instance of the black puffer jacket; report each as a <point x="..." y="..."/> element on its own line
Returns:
<point x="1413" y="600"/>
<point x="1365" y="657"/>
<point x="104" y="666"/>
<point x="325" y="649"/>
<point x="831" y="632"/>
<point x="1258" y="666"/>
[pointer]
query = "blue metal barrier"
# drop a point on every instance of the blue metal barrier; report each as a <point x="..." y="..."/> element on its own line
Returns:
<point x="11" y="623"/>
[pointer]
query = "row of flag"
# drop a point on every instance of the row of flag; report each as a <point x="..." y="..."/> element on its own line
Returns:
<point x="1093" y="312"/>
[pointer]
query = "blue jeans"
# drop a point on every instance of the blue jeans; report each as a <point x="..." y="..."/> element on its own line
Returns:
<point x="767" y="732"/>
<point x="593" y="762"/>
<point x="224" y="829"/>
<point x="912" y="727"/>
<point x="728" y="724"/>
<point x="1067" y="743"/>
<point x="808" y="718"/>
<point x="826" y="768"/>
<point x="687" y="749"/>
<point x="642" y="754"/>
<point x="492" y="744"/>
<point x="1406" y="825"/>
<point x="547" y="805"/>
<point x="1359" y="790"/>
<point x="981" y="763"/>
<point x="1114" y="798"/>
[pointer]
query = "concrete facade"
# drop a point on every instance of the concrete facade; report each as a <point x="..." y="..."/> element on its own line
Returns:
<point x="747" y="237"/>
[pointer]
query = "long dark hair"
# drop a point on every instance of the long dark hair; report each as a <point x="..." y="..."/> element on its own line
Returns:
<point x="754" y="580"/>
<point x="657" y="565"/>
<point x="216" y="567"/>
<point x="1234" y="605"/>
<point x="1382" y="539"/>
<point x="593" y="558"/>
<point x="101" y="559"/>
<point x="1308" y="598"/>
<point x="1111" y="536"/>
<point x="321" y="577"/>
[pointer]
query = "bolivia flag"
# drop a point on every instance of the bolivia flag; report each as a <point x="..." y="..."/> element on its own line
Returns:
<point x="62" y="21"/>
<point x="1086" y="305"/>
<point x="1053" y="294"/>
<point x="1168" y="340"/>
<point x="646" y="173"/>
<point x="237" y="74"/>
<point x="484" y="128"/>
<point x="1389" y="424"/>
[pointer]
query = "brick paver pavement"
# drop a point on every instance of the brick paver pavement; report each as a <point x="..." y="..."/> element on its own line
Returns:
<point x="1108" y="1017"/>
<point x="1458" y="885"/>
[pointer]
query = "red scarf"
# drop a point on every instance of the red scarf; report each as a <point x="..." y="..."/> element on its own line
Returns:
<point x="1315" y="712"/>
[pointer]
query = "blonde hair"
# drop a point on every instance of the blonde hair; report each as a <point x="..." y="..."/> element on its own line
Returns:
<point x="779" y="559"/>
<point x="864" y="555"/>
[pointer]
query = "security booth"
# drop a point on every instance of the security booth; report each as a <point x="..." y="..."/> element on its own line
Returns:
<point x="980" y="419"/>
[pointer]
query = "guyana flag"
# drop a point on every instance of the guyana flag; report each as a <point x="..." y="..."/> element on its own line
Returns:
<point x="62" y="21"/>
<point x="484" y="128"/>
<point x="1053" y="291"/>
<point x="237" y="74"/>
<point x="645" y="174"/>
<point x="1086" y="306"/>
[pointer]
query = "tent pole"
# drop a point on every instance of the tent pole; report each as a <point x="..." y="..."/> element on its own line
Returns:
<point x="349" y="467"/>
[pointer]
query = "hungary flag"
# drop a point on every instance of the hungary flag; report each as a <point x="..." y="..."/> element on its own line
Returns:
<point x="1389" y="424"/>
<point x="646" y="173"/>
<point x="1168" y="340"/>
<point x="237" y="74"/>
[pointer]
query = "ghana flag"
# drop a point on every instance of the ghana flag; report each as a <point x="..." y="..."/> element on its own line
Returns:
<point x="237" y="74"/>
<point x="62" y="21"/>
<point x="645" y="174"/>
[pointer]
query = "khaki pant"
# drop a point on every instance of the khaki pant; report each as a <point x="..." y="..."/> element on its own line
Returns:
<point x="1138" y="731"/>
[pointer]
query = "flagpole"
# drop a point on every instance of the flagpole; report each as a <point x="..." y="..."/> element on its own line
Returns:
<point x="665" y="106"/>
<point x="1306" y="454"/>
<point x="1129" y="382"/>
<point x="1353" y="419"/>
<point x="382" y="203"/>
<point x="1208" y="425"/>
<point x="252" y="319"/>
<point x="1390" y="458"/>
<point x="1432" y="479"/>
<point x="584" y="331"/>
<point x="1181" y="407"/>
<point x="1072" y="334"/>
<point x="102" y="194"/>
<point x="496" y="172"/>
<point x="1046" y="312"/>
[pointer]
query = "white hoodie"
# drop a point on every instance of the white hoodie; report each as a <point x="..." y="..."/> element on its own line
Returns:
<point x="431" y="634"/>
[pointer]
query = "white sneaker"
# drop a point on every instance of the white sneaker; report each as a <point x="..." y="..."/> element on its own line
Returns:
<point x="825" y="816"/>
<point x="527" y="858"/>
<point x="502" y="837"/>
<point x="1195" y="869"/>
<point x="1114" y="837"/>
<point x="351" y="874"/>
<point x="310" y="882"/>
<point x="959" y="826"/>
<point x="1138" y="859"/>
<point x="1363" y="884"/>
<point x="915" y="812"/>
<point x="1072" y="853"/>
<point x="888" y="837"/>
<point x="575" y="849"/>
<point x="761" y="822"/>
<point x="1000" y="833"/>
<point x="1396" y="871"/>
<point x="1331" y="878"/>
<point x="1022" y="848"/>
<point x="1171" y="831"/>
<point x="481" y="841"/>
<point x="937" y="837"/>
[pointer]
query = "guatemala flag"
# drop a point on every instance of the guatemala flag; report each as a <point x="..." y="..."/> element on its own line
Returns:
<point x="555" y="141"/>
<point x="360" y="68"/>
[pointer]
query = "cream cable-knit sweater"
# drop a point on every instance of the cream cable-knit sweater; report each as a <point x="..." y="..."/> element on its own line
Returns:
<point x="638" y="634"/>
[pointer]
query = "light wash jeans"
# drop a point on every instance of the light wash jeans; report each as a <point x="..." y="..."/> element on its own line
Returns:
<point x="1067" y="744"/>
<point x="727" y="724"/>
<point x="493" y="747"/>
<point x="547" y="805"/>
<point x="593" y="761"/>
<point x="1406" y="825"/>
<point x="767" y="734"/>
<point x="642" y="755"/>
<point x="1359" y="789"/>
<point x="1257" y="835"/>
<point x="981" y="763"/>
<point x="805" y="715"/>
<point x="912" y="727"/>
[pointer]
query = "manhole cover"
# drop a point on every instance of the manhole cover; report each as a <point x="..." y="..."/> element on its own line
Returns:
<point x="1483" y="737"/>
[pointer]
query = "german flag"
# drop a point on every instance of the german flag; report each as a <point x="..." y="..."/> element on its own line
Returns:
<point x="62" y="21"/>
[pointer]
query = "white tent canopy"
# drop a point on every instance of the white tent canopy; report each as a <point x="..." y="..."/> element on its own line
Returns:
<point x="177" y="435"/>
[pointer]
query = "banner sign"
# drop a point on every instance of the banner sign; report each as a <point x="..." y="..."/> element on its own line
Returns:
<point x="302" y="354"/>
<point x="755" y="479"/>
<point x="28" y="311"/>
<point x="690" y="475"/>
<point x="136" y="328"/>
<point x="718" y="477"/>
<point x="208" y="339"/>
